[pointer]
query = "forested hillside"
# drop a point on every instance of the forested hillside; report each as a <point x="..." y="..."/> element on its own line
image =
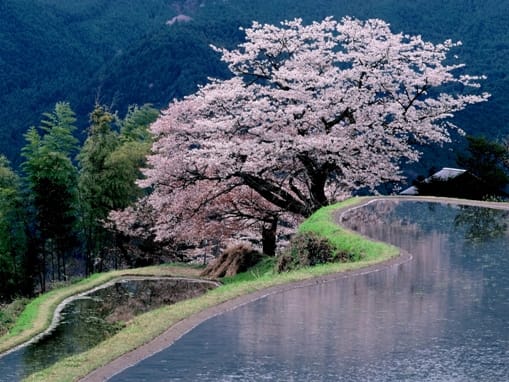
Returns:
<point x="50" y="49"/>
<point x="124" y="52"/>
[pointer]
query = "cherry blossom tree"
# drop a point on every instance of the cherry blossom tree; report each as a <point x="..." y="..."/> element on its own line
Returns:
<point x="311" y="113"/>
<point x="206" y="213"/>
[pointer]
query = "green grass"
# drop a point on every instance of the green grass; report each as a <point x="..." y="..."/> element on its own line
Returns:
<point x="343" y="240"/>
<point x="10" y="313"/>
<point x="147" y="326"/>
<point x="264" y="269"/>
<point x="38" y="314"/>
<point x="32" y="311"/>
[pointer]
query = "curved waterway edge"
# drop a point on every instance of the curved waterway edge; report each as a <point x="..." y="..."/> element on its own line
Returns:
<point x="57" y="313"/>
<point x="181" y="328"/>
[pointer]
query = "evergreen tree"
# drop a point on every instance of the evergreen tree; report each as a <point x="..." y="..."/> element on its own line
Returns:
<point x="14" y="273"/>
<point x="110" y="165"/>
<point x="123" y="164"/>
<point x="97" y="191"/>
<point x="51" y="179"/>
<point x="59" y="128"/>
<point x="487" y="160"/>
<point x="135" y="125"/>
<point x="123" y="167"/>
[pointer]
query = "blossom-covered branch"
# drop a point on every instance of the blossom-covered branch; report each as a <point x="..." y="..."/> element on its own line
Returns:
<point x="311" y="113"/>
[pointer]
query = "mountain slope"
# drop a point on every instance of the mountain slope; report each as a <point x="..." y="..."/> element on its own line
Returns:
<point x="51" y="48"/>
<point x="123" y="52"/>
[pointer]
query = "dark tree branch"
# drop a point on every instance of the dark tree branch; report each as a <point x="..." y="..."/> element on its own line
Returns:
<point x="275" y="194"/>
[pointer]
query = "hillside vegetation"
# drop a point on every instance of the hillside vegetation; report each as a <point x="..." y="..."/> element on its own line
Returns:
<point x="123" y="52"/>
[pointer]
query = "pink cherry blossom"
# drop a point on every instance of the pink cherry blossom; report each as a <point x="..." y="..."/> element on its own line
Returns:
<point x="312" y="113"/>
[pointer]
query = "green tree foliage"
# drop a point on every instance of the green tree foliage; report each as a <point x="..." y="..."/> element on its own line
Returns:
<point x="97" y="196"/>
<point x="488" y="161"/>
<point x="123" y="165"/>
<point x="51" y="179"/>
<point x="110" y="160"/>
<point x="59" y="128"/>
<point x="14" y="277"/>
<point x="51" y="213"/>
<point x="135" y="125"/>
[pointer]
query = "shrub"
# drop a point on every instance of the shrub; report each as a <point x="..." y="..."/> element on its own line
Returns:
<point x="308" y="249"/>
<point x="10" y="312"/>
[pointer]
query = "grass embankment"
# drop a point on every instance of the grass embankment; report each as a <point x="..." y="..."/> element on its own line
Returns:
<point x="9" y="314"/>
<point x="38" y="314"/>
<point x="147" y="326"/>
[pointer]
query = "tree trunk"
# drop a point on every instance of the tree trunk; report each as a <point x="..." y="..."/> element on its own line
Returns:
<point x="317" y="175"/>
<point x="317" y="190"/>
<point x="269" y="237"/>
<point x="59" y="263"/>
<point x="63" y="267"/>
<point x="42" y="271"/>
<point x="52" y="259"/>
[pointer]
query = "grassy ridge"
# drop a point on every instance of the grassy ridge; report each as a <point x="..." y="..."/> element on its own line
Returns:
<point x="147" y="326"/>
<point x="38" y="314"/>
<point x="322" y="223"/>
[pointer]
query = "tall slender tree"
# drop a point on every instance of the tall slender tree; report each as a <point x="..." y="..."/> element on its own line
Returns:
<point x="122" y="168"/>
<point x="96" y="197"/>
<point x="110" y="162"/>
<point x="51" y="178"/>
<point x="15" y="275"/>
<point x="123" y="165"/>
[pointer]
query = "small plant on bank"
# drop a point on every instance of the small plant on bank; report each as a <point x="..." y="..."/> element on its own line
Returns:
<point x="309" y="249"/>
<point x="9" y="313"/>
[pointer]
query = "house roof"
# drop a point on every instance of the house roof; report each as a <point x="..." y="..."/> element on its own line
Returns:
<point x="445" y="173"/>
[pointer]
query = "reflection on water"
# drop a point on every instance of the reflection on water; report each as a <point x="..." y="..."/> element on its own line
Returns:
<point x="442" y="317"/>
<point x="482" y="223"/>
<point x="94" y="317"/>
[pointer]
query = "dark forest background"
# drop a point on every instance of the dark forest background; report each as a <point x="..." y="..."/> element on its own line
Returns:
<point x="123" y="52"/>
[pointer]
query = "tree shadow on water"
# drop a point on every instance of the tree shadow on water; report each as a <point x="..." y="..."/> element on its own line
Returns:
<point x="482" y="224"/>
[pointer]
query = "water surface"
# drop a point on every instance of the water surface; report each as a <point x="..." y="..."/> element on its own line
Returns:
<point x="91" y="318"/>
<point x="444" y="316"/>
